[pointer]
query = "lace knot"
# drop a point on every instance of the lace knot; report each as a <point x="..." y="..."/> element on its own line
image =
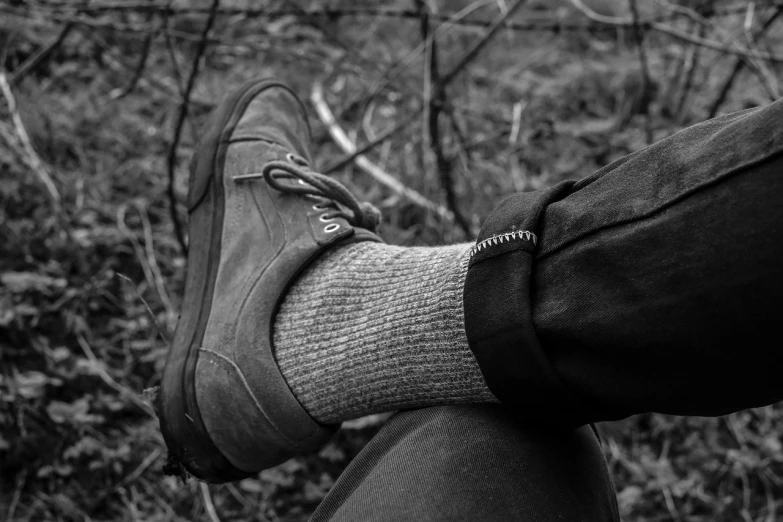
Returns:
<point x="342" y="202"/>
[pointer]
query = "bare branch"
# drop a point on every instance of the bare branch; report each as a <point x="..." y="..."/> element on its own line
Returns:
<point x="137" y="73"/>
<point x="435" y="98"/>
<point x="391" y="74"/>
<point x="677" y="33"/>
<point x="148" y="262"/>
<point x="344" y="142"/>
<point x="31" y="156"/>
<point x="100" y="370"/>
<point x="40" y="57"/>
<point x="167" y="8"/>
<point x="644" y="71"/>
<point x="739" y="65"/>
<point x="169" y="40"/>
<point x="349" y="158"/>
<point x="690" y="74"/>
<point x="497" y="24"/>
<point x="209" y="506"/>
<point x="183" y="114"/>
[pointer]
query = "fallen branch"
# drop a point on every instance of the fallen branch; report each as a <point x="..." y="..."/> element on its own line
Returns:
<point x="32" y="158"/>
<point x="344" y="142"/>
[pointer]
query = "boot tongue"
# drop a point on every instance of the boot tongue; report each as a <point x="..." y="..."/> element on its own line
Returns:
<point x="275" y="115"/>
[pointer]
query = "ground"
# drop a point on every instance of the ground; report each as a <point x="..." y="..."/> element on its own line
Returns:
<point x="92" y="268"/>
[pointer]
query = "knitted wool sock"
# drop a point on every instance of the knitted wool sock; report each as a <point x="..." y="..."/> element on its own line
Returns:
<point x="370" y="328"/>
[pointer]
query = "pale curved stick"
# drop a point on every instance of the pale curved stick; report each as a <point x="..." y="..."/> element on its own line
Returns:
<point x="33" y="160"/>
<point x="363" y="162"/>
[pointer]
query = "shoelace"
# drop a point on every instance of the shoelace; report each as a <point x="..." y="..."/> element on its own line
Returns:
<point x="332" y="195"/>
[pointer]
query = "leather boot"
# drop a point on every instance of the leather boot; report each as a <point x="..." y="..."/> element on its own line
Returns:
<point x="258" y="216"/>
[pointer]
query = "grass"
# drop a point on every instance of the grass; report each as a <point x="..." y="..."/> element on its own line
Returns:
<point x="90" y="294"/>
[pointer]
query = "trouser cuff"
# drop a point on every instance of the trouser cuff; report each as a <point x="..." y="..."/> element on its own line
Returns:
<point x="498" y="316"/>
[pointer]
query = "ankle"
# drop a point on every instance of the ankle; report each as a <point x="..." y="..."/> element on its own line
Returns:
<point x="373" y="327"/>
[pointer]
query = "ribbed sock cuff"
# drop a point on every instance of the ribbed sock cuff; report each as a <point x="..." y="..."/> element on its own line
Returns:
<point x="372" y="327"/>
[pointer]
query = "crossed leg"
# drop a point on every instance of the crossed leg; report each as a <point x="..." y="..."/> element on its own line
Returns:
<point x="473" y="462"/>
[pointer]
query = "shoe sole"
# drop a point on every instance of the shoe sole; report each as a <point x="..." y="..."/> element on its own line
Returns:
<point x="191" y="449"/>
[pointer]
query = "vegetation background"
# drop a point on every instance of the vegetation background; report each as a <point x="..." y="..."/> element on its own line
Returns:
<point x="455" y="105"/>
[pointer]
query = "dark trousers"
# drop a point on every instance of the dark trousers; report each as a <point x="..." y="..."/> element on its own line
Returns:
<point x="473" y="463"/>
<point x="654" y="285"/>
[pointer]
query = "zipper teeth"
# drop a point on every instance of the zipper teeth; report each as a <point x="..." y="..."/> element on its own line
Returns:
<point x="503" y="238"/>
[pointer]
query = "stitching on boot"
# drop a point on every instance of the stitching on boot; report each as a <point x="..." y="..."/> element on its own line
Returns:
<point x="247" y="388"/>
<point x="503" y="238"/>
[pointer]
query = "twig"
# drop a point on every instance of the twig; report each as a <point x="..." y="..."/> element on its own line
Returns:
<point x="137" y="73"/>
<point x="153" y="318"/>
<point x="131" y="477"/>
<point x="40" y="57"/>
<point x="173" y="56"/>
<point x="349" y="158"/>
<point x="209" y="506"/>
<point x="393" y="72"/>
<point x="459" y="133"/>
<point x="147" y="259"/>
<point x="141" y="468"/>
<point x="758" y="66"/>
<point x="644" y="71"/>
<point x="430" y="49"/>
<point x="516" y="121"/>
<point x="739" y="65"/>
<point x="254" y="45"/>
<point x="20" y="482"/>
<point x="716" y="46"/>
<point x="677" y="33"/>
<point x="344" y="142"/>
<point x="32" y="157"/>
<point x="497" y="24"/>
<point x="156" y="83"/>
<point x="183" y="114"/>
<point x="109" y="380"/>
<point x="689" y="76"/>
<point x="167" y="9"/>
<point x="667" y="496"/>
<point x="435" y="97"/>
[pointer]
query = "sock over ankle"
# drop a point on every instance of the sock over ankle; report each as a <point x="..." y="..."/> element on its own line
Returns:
<point x="371" y="327"/>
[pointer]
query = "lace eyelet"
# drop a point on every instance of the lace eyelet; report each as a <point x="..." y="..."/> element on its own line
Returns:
<point x="301" y="182"/>
<point x="331" y="228"/>
<point x="296" y="159"/>
<point x="323" y="218"/>
<point x="319" y="207"/>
